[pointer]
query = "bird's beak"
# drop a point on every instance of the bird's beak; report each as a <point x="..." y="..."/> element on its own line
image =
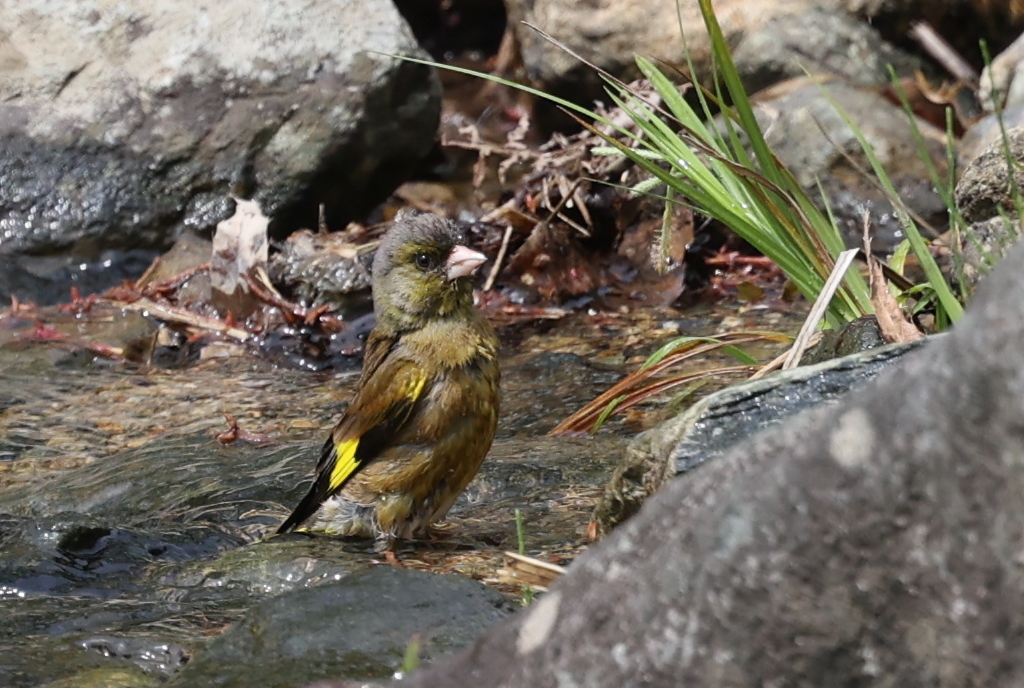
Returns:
<point x="463" y="262"/>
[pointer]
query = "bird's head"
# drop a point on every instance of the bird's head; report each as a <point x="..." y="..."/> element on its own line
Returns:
<point x="423" y="270"/>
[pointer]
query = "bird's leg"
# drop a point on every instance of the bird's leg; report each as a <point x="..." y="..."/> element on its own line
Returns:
<point x="392" y="558"/>
<point x="386" y="546"/>
<point x="432" y="533"/>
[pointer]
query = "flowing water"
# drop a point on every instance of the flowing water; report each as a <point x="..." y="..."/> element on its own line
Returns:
<point x="130" y="534"/>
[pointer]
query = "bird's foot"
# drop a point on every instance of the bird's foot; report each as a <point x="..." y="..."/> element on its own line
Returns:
<point x="433" y="533"/>
<point x="386" y="546"/>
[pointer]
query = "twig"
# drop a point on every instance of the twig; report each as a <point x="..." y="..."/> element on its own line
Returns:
<point x="501" y="210"/>
<point x="937" y="46"/>
<point x="566" y="197"/>
<point x="45" y="334"/>
<point x="180" y="315"/>
<point x="273" y="298"/>
<point x="266" y="292"/>
<point x="556" y="212"/>
<point x="174" y="282"/>
<point x="141" y="282"/>
<point x="530" y="571"/>
<point x="498" y="260"/>
<point x="810" y="326"/>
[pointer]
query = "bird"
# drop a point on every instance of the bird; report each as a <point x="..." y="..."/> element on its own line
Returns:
<point x="425" y="408"/>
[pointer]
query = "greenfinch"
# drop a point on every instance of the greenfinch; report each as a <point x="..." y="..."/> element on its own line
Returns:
<point x="426" y="404"/>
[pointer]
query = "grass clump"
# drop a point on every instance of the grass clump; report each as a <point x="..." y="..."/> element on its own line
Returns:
<point x="729" y="173"/>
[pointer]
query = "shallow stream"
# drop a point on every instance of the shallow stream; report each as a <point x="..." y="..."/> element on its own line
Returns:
<point x="129" y="535"/>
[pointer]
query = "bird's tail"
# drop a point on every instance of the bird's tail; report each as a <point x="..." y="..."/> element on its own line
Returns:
<point x="318" y="491"/>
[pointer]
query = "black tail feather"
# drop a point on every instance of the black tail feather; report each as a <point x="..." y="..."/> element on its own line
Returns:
<point x="317" y="491"/>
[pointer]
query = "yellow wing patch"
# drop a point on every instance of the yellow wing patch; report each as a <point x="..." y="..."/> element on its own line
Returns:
<point x="414" y="386"/>
<point x="346" y="464"/>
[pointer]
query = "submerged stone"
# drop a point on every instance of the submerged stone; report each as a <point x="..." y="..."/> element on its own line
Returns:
<point x="358" y="628"/>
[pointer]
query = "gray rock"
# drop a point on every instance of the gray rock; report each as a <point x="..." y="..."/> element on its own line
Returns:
<point x="984" y="244"/>
<point x="873" y="543"/>
<point x="320" y="268"/>
<point x="1001" y="84"/>
<point x="820" y="40"/>
<point x="984" y="188"/>
<point x="719" y="421"/>
<point x="986" y="131"/>
<point x="357" y="628"/>
<point x="985" y="199"/>
<point x="105" y="678"/>
<point x="771" y="41"/>
<point x="811" y="137"/>
<point x="123" y="123"/>
<point x="46" y="280"/>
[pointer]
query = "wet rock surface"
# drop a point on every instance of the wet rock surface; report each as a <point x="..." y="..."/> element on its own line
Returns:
<point x="722" y="420"/>
<point x="357" y="628"/>
<point x="874" y="542"/>
<point x="985" y="196"/>
<point x="130" y="537"/>
<point x="47" y="280"/>
<point x="321" y="268"/>
<point x="125" y="124"/>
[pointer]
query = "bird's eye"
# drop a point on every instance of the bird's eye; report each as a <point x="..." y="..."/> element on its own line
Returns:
<point x="424" y="261"/>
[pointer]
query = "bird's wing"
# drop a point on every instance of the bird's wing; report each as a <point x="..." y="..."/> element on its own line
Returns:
<point x="388" y="391"/>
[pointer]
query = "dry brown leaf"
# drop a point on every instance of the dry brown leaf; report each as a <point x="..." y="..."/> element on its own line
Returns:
<point x="892" y="322"/>
<point x="239" y="247"/>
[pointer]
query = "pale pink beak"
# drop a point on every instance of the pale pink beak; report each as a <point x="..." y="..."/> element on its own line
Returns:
<point x="463" y="262"/>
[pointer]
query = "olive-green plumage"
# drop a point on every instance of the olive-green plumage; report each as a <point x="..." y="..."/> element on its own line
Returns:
<point x="426" y="405"/>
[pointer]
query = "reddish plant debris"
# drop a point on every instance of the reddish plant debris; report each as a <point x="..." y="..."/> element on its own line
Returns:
<point x="236" y="433"/>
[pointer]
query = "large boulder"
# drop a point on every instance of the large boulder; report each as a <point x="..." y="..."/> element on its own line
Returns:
<point x="873" y="543"/>
<point x="123" y="122"/>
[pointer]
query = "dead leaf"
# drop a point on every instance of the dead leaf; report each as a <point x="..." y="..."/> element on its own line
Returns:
<point x="239" y="247"/>
<point x="929" y="102"/>
<point x="892" y="322"/>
